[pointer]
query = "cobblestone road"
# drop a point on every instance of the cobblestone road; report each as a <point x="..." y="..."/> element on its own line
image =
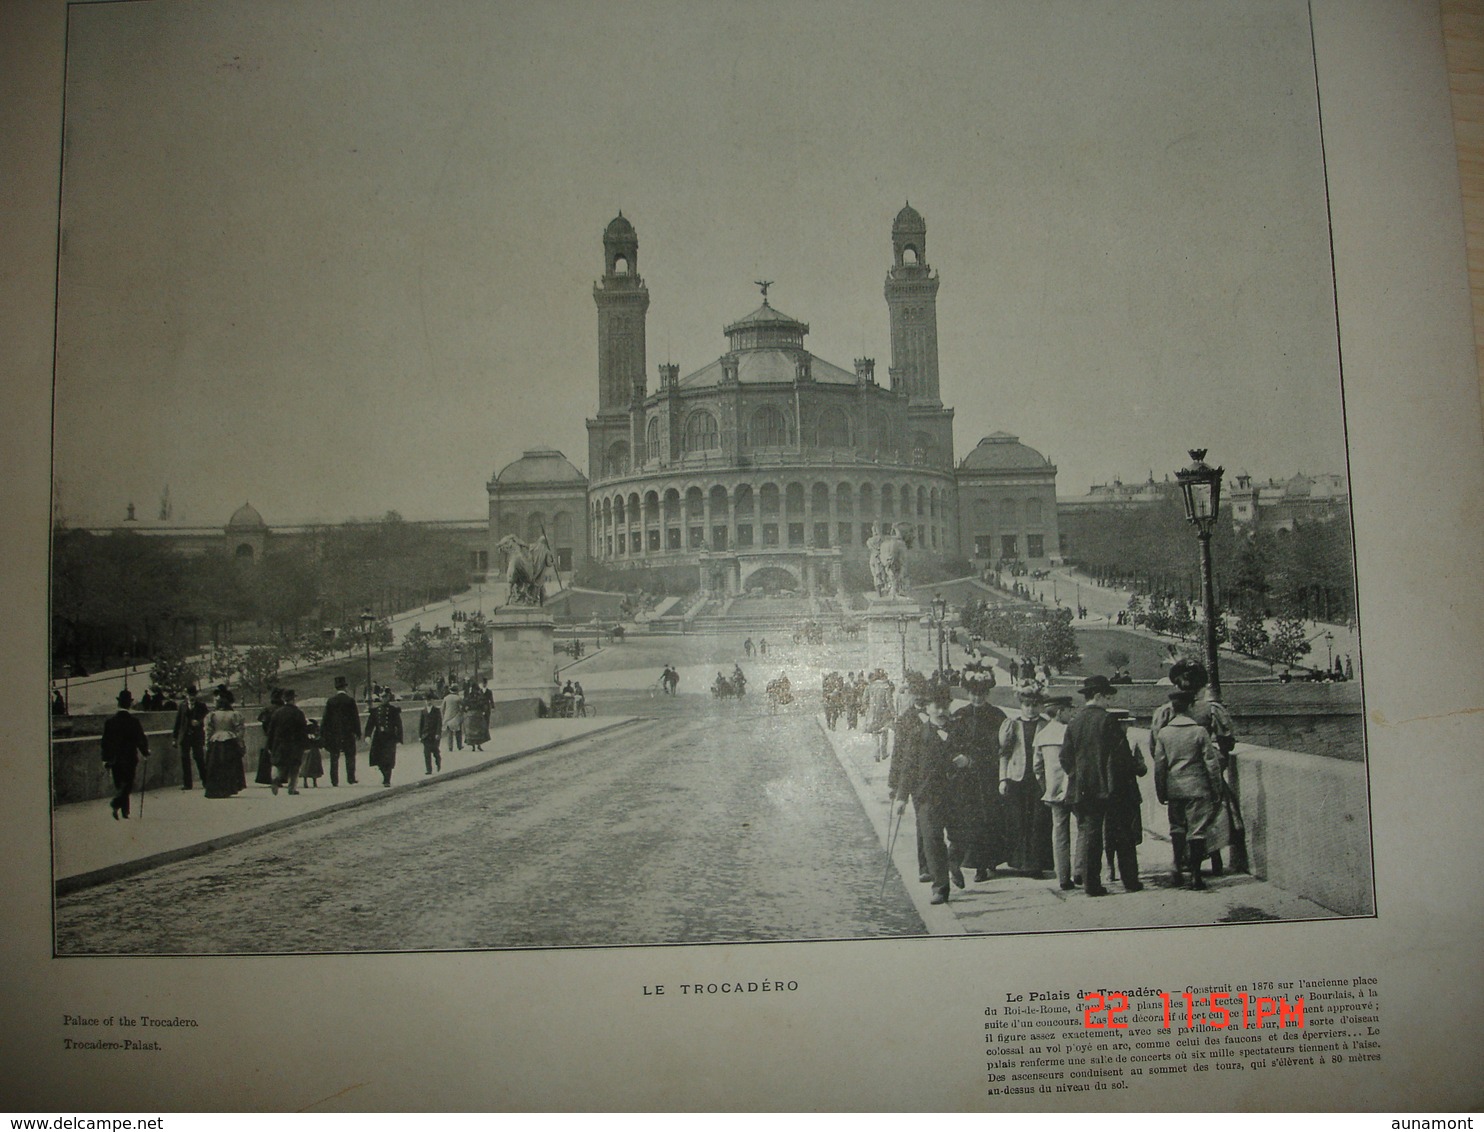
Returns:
<point x="707" y="824"/>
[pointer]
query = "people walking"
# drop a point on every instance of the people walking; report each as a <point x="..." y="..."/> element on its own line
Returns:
<point x="920" y="767"/>
<point x="384" y="731"/>
<point x="1123" y="829"/>
<point x="1093" y="750"/>
<point x="430" y="731"/>
<point x="226" y="746"/>
<point x="477" y="718"/>
<point x="189" y="736"/>
<point x="290" y="731"/>
<point x="1058" y="711"/>
<point x="1187" y="779"/>
<point x="340" y="731"/>
<point x="264" y="777"/>
<point x="1027" y="822"/>
<point x="124" y="745"/>
<point x="880" y="711"/>
<point x="974" y="732"/>
<point x="453" y="719"/>
<point x="1226" y="827"/>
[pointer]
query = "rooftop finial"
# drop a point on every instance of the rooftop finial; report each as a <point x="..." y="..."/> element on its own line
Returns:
<point x="764" y="284"/>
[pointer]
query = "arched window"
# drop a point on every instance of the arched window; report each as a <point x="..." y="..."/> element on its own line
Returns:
<point x="1007" y="512"/>
<point x="743" y="501"/>
<point x="535" y="526"/>
<point x="770" y="428"/>
<point x="768" y="499"/>
<point x="1033" y="512"/>
<point x="620" y="265"/>
<point x="701" y="433"/>
<point x="652" y="438"/>
<point x="617" y="461"/>
<point x="832" y="428"/>
<point x="244" y="550"/>
<point x="793" y="499"/>
<point x="909" y="256"/>
<point x="561" y="528"/>
<point x="845" y="499"/>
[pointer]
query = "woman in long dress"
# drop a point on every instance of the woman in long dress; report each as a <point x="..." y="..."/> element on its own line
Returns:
<point x="476" y="718"/>
<point x="226" y="745"/>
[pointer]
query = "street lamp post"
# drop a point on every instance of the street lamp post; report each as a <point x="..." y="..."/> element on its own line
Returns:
<point x="902" y="635"/>
<point x="367" y="620"/>
<point x="1200" y="484"/>
<point x="940" y="615"/>
<point x="1329" y="645"/>
<point x="67" y="688"/>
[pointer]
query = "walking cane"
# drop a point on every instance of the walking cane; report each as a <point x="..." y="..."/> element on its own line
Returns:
<point x="143" y="782"/>
<point x="891" y="844"/>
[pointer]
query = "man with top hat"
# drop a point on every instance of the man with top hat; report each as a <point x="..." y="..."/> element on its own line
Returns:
<point x="1027" y="823"/>
<point x="189" y="736"/>
<point x="1057" y="711"/>
<point x="1093" y="749"/>
<point x="974" y="732"/>
<point x="339" y="731"/>
<point x="124" y="744"/>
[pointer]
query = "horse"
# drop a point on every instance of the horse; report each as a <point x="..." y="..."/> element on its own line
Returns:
<point x="527" y="568"/>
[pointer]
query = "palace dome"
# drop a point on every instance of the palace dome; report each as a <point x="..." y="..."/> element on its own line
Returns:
<point x="999" y="451"/>
<point x="246" y="516"/>
<point x="540" y="465"/>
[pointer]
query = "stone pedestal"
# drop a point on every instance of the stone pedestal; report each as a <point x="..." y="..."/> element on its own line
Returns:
<point x="886" y="618"/>
<point x="523" y="660"/>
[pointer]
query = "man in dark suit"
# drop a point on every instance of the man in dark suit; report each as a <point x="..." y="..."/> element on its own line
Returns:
<point x="124" y="744"/>
<point x="340" y="730"/>
<point x="290" y="731"/>
<point x="189" y="735"/>
<point x="1094" y="747"/>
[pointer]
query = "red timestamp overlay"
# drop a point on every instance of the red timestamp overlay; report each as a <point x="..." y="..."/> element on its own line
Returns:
<point x="1216" y="1011"/>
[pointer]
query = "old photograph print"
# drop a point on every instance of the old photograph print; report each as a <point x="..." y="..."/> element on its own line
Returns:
<point x="602" y="475"/>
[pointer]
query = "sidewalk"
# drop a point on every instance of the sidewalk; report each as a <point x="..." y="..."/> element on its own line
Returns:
<point x="1008" y="903"/>
<point x="171" y="825"/>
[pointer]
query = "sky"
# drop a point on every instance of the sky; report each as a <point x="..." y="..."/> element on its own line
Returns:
<point x="336" y="258"/>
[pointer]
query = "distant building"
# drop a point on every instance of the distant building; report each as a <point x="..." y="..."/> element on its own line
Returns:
<point x="772" y="465"/>
<point x="1279" y="505"/>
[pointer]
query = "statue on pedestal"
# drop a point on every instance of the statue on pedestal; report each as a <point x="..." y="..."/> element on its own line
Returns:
<point x="888" y="558"/>
<point x="528" y="566"/>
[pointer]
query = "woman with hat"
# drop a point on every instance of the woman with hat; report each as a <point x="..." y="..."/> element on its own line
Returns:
<point x="124" y="744"/>
<point x="1027" y="823"/>
<point x="226" y="744"/>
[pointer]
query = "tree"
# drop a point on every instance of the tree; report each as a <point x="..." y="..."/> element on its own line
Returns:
<point x="259" y="667"/>
<point x="417" y="663"/>
<point x="1250" y="635"/>
<point x="1047" y="637"/>
<point x="1287" y="645"/>
<point x="1117" y="659"/>
<point x="172" y="673"/>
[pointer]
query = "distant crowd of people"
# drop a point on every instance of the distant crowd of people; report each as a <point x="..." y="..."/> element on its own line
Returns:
<point x="211" y="740"/>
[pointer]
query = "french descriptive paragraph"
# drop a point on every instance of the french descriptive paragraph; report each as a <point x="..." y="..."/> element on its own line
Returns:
<point x="1040" y="1041"/>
